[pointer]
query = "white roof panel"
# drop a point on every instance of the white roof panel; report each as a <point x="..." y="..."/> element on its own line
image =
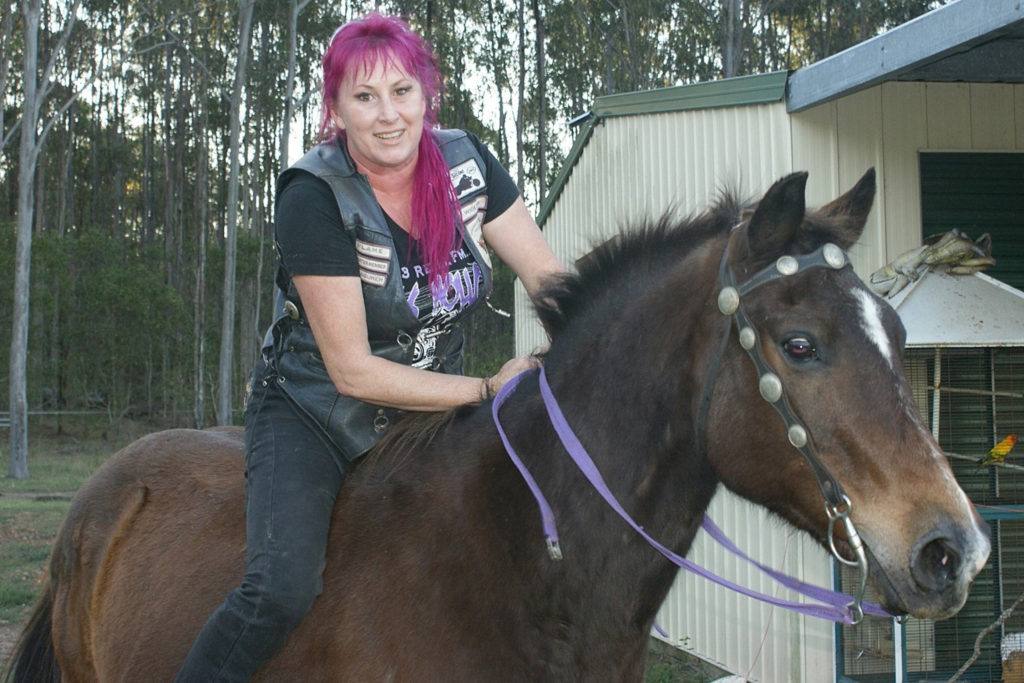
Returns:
<point x="940" y="309"/>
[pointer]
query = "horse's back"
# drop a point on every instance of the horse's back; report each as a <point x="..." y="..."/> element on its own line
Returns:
<point x="163" y="516"/>
<point x="155" y="540"/>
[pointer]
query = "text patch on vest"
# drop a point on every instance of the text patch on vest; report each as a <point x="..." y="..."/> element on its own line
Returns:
<point x="374" y="260"/>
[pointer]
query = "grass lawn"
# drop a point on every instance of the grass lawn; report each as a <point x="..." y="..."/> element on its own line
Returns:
<point x="27" y="529"/>
<point x="31" y="510"/>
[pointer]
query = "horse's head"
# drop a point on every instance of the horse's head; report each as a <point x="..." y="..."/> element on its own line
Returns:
<point x="837" y="349"/>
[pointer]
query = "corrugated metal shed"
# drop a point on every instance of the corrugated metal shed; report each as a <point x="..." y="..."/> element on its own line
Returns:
<point x="733" y="92"/>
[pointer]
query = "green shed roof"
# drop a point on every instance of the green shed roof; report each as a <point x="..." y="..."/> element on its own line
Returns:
<point x="727" y="92"/>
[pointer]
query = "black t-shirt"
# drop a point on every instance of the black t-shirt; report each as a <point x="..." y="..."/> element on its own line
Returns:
<point x="312" y="241"/>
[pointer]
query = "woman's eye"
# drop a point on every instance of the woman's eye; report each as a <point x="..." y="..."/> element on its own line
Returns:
<point x="363" y="97"/>
<point x="800" y="348"/>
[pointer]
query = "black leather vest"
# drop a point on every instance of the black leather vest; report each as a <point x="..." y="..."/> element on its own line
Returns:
<point x="352" y="425"/>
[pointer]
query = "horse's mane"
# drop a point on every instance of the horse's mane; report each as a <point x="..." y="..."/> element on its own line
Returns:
<point x="634" y="250"/>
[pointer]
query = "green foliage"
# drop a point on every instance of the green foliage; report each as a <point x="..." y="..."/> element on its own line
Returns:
<point x="7" y="235"/>
<point x="107" y="317"/>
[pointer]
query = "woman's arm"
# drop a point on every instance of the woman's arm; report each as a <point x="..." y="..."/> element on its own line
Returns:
<point x="334" y="308"/>
<point x="516" y="239"/>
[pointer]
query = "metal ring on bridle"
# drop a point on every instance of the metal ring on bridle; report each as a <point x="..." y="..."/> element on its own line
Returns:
<point x="842" y="513"/>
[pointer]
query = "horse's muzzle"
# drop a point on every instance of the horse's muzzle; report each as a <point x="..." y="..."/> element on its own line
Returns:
<point x="942" y="565"/>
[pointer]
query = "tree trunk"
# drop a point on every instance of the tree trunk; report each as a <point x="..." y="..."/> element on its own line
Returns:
<point x="542" y="108"/>
<point x="227" y="330"/>
<point x="732" y="38"/>
<point x="294" y="10"/>
<point x="169" y="187"/>
<point x="202" y="215"/>
<point x="497" y="64"/>
<point x="521" y="117"/>
<point x="28" y="155"/>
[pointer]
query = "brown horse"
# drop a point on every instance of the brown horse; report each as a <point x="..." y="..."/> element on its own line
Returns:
<point x="437" y="568"/>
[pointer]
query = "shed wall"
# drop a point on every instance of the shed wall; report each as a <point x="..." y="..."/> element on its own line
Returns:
<point x="645" y="164"/>
<point x="887" y="127"/>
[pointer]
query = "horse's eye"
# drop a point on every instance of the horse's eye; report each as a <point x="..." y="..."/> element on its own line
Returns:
<point x="800" y="348"/>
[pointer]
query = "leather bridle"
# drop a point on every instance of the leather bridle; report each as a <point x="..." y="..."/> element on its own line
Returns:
<point x="730" y="303"/>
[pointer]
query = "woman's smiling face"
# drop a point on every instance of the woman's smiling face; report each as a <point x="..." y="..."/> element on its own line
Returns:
<point x="381" y="112"/>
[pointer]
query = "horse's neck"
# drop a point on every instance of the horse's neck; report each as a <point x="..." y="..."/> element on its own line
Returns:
<point x="610" y="581"/>
<point x="644" y="454"/>
<point x="631" y="393"/>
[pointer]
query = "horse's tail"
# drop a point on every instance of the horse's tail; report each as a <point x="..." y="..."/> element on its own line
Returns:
<point x="33" y="660"/>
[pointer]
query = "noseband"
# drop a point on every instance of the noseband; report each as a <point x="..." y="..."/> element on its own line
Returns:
<point x="730" y="303"/>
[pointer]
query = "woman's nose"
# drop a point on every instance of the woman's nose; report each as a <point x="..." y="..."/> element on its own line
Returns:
<point x="387" y="110"/>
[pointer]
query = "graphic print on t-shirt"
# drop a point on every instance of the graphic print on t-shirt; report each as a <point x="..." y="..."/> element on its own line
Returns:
<point x="437" y="311"/>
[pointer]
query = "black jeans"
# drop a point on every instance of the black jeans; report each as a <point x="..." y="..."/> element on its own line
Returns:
<point x="292" y="479"/>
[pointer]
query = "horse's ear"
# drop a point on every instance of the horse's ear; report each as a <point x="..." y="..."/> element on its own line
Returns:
<point x="849" y="212"/>
<point x="778" y="217"/>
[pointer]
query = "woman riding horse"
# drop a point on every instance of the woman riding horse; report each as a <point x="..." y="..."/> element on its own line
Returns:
<point x="382" y="235"/>
<point x="436" y="564"/>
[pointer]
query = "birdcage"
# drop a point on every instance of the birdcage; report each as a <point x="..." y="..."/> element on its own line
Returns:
<point x="965" y="365"/>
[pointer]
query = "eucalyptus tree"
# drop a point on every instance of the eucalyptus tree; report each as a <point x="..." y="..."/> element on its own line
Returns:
<point x="295" y="8"/>
<point x="767" y="35"/>
<point x="497" y="57"/>
<point x="227" y="337"/>
<point x="36" y="88"/>
<point x="7" y="11"/>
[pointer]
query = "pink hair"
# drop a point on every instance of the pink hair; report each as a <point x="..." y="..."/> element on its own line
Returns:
<point x="363" y="44"/>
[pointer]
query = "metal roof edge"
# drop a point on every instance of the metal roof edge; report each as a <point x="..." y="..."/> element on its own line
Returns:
<point x="725" y="92"/>
<point x="563" y="174"/>
<point x="943" y="31"/>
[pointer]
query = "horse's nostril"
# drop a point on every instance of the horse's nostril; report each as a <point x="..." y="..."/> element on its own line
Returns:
<point x="937" y="565"/>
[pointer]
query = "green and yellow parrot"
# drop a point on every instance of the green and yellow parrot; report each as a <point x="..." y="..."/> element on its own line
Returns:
<point x="999" y="451"/>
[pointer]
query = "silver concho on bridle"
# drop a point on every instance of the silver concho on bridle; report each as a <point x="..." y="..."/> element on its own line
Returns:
<point x="837" y="504"/>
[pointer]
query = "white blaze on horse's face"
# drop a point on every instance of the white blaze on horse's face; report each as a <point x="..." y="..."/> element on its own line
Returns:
<point x="938" y="539"/>
<point x="871" y="319"/>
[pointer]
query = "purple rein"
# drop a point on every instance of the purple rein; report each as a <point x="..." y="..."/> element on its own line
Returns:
<point x="834" y="606"/>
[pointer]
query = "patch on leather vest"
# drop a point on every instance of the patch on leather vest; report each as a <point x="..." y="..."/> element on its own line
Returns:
<point x="473" y="213"/>
<point x="466" y="178"/>
<point x="374" y="262"/>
